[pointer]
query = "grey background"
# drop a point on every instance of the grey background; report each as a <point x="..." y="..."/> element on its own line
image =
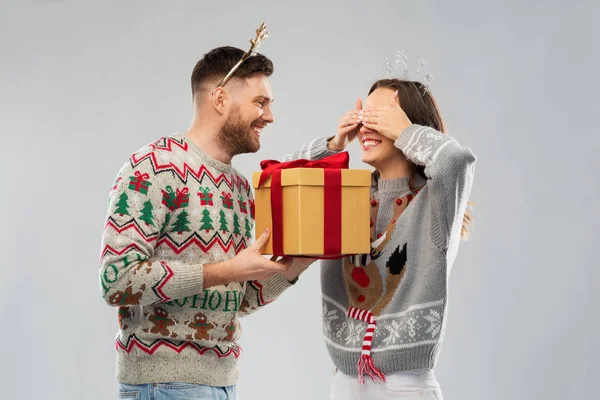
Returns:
<point x="83" y="84"/>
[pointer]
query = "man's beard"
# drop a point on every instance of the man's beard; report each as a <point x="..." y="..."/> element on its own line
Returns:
<point x="236" y="136"/>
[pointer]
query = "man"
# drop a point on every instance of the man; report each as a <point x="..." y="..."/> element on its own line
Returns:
<point x="176" y="258"/>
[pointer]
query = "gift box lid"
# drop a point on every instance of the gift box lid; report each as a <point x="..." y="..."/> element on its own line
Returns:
<point x="315" y="177"/>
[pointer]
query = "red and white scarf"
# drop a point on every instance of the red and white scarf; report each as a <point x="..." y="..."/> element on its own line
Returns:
<point x="365" y="363"/>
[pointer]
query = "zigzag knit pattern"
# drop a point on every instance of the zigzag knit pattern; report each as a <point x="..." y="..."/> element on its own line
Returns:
<point x="173" y="208"/>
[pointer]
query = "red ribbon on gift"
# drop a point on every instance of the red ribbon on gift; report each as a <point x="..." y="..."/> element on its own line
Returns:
<point x="139" y="181"/>
<point x="181" y="197"/>
<point x="141" y="176"/>
<point x="332" y="166"/>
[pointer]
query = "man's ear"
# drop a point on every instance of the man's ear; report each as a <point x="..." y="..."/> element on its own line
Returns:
<point x="220" y="99"/>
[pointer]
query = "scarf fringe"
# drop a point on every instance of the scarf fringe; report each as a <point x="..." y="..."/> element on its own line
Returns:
<point x="365" y="365"/>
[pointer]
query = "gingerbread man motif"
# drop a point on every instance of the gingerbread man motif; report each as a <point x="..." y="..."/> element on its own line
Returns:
<point x="230" y="330"/>
<point x="161" y="321"/>
<point x="202" y="327"/>
<point x="147" y="264"/>
<point x="124" y="314"/>
<point x="128" y="297"/>
<point x="246" y="307"/>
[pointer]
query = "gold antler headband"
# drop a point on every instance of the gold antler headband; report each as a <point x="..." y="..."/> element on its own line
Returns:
<point x="261" y="34"/>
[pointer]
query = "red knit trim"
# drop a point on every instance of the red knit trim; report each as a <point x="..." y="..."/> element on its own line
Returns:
<point x="132" y="224"/>
<point x="151" y="349"/>
<point x="110" y="250"/>
<point x="183" y="173"/>
<point x="203" y="245"/>
<point x="163" y="282"/>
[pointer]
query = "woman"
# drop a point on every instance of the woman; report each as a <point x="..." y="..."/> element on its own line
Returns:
<point x="384" y="312"/>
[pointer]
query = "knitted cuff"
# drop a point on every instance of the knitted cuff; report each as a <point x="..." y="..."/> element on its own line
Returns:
<point x="319" y="149"/>
<point x="406" y="136"/>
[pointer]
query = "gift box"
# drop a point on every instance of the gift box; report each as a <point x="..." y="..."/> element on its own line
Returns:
<point x="140" y="182"/>
<point x="242" y="204"/>
<point x="227" y="201"/>
<point x="206" y="197"/>
<point x="175" y="200"/>
<point x="313" y="208"/>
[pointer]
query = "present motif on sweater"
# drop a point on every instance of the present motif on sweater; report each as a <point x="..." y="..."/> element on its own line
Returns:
<point x="154" y="247"/>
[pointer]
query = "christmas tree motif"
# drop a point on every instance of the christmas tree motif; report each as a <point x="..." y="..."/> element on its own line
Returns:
<point x="165" y="224"/>
<point x="181" y="224"/>
<point x="242" y="204"/>
<point x="236" y="225"/>
<point x="206" y="197"/>
<point x="206" y="220"/>
<point x="122" y="205"/>
<point x="223" y="222"/>
<point x="140" y="182"/>
<point x="147" y="216"/>
<point x="248" y="233"/>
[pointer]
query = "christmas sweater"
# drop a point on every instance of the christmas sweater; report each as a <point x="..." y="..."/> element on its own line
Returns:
<point x="172" y="209"/>
<point x="385" y="311"/>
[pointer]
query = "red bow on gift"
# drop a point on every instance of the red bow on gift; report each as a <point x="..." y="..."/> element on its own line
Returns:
<point x="340" y="160"/>
<point x="332" y="167"/>
<point x="142" y="176"/>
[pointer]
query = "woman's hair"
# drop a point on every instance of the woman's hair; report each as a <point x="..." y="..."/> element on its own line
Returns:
<point x="421" y="109"/>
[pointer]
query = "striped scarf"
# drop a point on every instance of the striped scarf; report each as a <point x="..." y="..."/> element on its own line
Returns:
<point x="365" y="363"/>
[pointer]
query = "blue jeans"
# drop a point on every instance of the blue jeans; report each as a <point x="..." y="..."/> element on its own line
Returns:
<point x="176" y="391"/>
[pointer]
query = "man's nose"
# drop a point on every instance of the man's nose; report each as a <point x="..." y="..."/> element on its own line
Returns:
<point x="268" y="115"/>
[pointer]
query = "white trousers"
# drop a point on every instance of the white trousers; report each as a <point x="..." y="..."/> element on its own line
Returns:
<point x="409" y="385"/>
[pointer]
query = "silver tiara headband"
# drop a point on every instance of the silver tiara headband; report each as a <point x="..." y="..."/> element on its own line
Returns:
<point x="400" y="65"/>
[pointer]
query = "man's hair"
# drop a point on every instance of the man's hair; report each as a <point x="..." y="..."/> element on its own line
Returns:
<point x="217" y="63"/>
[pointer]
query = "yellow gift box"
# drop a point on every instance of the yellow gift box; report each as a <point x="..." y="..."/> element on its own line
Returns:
<point x="318" y="212"/>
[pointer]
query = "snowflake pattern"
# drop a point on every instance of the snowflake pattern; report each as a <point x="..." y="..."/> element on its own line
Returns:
<point x="421" y="66"/>
<point x="135" y="202"/>
<point x="435" y="320"/>
<point x="429" y="141"/>
<point x="355" y="332"/>
<point x="411" y="322"/>
<point x="401" y="64"/>
<point x="394" y="333"/>
<point x="421" y="324"/>
<point x="387" y="69"/>
<point x="340" y="331"/>
<point x="192" y="256"/>
<point x="328" y="317"/>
